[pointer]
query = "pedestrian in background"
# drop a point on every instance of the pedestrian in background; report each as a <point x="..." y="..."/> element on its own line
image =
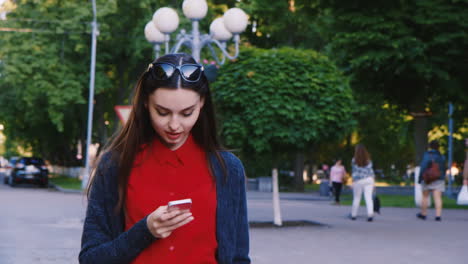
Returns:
<point x="437" y="187"/>
<point x="465" y="166"/>
<point x="363" y="181"/>
<point x="337" y="174"/>
<point x="462" y="197"/>
<point x="167" y="150"/>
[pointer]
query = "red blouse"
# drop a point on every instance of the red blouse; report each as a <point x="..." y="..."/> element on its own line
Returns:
<point x="161" y="175"/>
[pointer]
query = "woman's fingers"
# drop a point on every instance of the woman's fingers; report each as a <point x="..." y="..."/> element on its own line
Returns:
<point x="183" y="222"/>
<point x="161" y="209"/>
<point x="167" y="221"/>
<point x="161" y="223"/>
<point x="166" y="216"/>
<point x="169" y="229"/>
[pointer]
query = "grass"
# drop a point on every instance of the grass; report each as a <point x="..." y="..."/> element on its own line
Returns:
<point x="311" y="187"/>
<point x="65" y="182"/>
<point x="403" y="201"/>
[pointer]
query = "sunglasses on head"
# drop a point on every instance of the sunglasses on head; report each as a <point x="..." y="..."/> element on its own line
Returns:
<point x="164" y="71"/>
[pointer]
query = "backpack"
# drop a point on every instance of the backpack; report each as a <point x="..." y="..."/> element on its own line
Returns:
<point x="432" y="173"/>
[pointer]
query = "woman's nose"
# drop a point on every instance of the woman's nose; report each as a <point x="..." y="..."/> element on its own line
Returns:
<point x="173" y="124"/>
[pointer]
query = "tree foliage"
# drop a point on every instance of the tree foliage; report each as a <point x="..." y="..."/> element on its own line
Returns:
<point x="44" y="76"/>
<point x="281" y="101"/>
<point x="45" y="69"/>
<point x="412" y="52"/>
<point x="284" y="23"/>
<point x="392" y="46"/>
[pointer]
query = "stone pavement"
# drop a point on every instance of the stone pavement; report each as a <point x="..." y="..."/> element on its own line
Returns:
<point x="396" y="236"/>
<point x="44" y="226"/>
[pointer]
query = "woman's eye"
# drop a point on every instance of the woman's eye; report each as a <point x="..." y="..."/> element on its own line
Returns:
<point x="162" y="113"/>
<point x="187" y="114"/>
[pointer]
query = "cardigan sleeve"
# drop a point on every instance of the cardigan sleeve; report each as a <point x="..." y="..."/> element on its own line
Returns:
<point x="99" y="244"/>
<point x="241" y="254"/>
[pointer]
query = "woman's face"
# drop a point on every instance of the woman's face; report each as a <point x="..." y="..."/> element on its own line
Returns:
<point x="173" y="113"/>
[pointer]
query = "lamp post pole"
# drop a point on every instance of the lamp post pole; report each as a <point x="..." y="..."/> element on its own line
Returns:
<point x="155" y="37"/>
<point x="94" y="34"/>
<point x="157" y="49"/>
<point x="450" y="150"/>
<point x="196" y="47"/>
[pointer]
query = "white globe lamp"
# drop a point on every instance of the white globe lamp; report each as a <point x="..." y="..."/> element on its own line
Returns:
<point x="195" y="9"/>
<point x="166" y="20"/>
<point x="152" y="34"/>
<point x="235" y="20"/>
<point x="218" y="31"/>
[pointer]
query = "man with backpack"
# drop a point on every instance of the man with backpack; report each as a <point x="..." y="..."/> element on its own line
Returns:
<point x="432" y="178"/>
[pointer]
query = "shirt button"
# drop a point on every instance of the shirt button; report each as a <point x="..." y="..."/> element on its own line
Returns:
<point x="171" y="248"/>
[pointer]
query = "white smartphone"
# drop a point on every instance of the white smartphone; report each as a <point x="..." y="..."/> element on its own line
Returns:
<point x="184" y="204"/>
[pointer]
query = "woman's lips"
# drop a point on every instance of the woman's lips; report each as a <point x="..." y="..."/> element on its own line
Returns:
<point x="173" y="136"/>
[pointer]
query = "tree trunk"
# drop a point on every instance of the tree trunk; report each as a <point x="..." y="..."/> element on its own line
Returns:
<point x="298" y="172"/>
<point x="420" y="130"/>
<point x="420" y="137"/>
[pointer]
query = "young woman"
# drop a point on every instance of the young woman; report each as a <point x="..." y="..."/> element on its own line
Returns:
<point x="168" y="150"/>
<point x="363" y="181"/>
<point x="337" y="174"/>
<point x="437" y="187"/>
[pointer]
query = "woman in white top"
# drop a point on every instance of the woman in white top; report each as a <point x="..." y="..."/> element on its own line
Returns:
<point x="363" y="181"/>
<point x="337" y="174"/>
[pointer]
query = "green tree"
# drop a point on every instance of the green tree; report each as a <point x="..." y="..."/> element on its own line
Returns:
<point x="45" y="69"/>
<point x="411" y="52"/>
<point x="274" y="102"/>
<point x="43" y="77"/>
<point x="292" y="23"/>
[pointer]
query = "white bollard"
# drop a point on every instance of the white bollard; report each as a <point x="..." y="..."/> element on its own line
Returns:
<point x="276" y="202"/>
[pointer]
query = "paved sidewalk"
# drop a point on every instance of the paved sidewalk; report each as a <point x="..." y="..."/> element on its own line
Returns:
<point x="44" y="226"/>
<point x="396" y="236"/>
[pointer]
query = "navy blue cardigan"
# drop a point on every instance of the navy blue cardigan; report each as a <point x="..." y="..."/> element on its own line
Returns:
<point x="104" y="240"/>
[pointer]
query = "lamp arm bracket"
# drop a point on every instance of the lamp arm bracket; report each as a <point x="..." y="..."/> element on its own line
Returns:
<point x="205" y="39"/>
<point x="215" y="56"/>
<point x="223" y="47"/>
<point x="183" y="39"/>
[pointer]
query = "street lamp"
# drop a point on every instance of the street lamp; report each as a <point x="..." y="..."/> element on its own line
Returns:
<point x="165" y="21"/>
<point x="154" y="36"/>
<point x="94" y="33"/>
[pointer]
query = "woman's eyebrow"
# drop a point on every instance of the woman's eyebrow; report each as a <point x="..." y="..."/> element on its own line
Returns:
<point x="188" y="108"/>
<point x="167" y="109"/>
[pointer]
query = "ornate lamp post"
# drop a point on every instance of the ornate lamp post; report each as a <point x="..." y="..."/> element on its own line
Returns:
<point x="165" y="21"/>
<point x="154" y="36"/>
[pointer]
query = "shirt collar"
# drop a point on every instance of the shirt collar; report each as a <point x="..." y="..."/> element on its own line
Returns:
<point x="175" y="158"/>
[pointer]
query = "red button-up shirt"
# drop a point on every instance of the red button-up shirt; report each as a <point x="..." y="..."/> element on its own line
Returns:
<point x="161" y="175"/>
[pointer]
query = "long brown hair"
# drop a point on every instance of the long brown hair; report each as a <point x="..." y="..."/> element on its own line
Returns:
<point x="138" y="131"/>
<point x="361" y="156"/>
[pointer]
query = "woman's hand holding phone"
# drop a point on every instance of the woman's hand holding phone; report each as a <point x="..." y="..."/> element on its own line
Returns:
<point x="161" y="222"/>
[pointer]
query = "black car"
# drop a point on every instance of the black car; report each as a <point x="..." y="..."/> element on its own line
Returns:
<point x="31" y="170"/>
